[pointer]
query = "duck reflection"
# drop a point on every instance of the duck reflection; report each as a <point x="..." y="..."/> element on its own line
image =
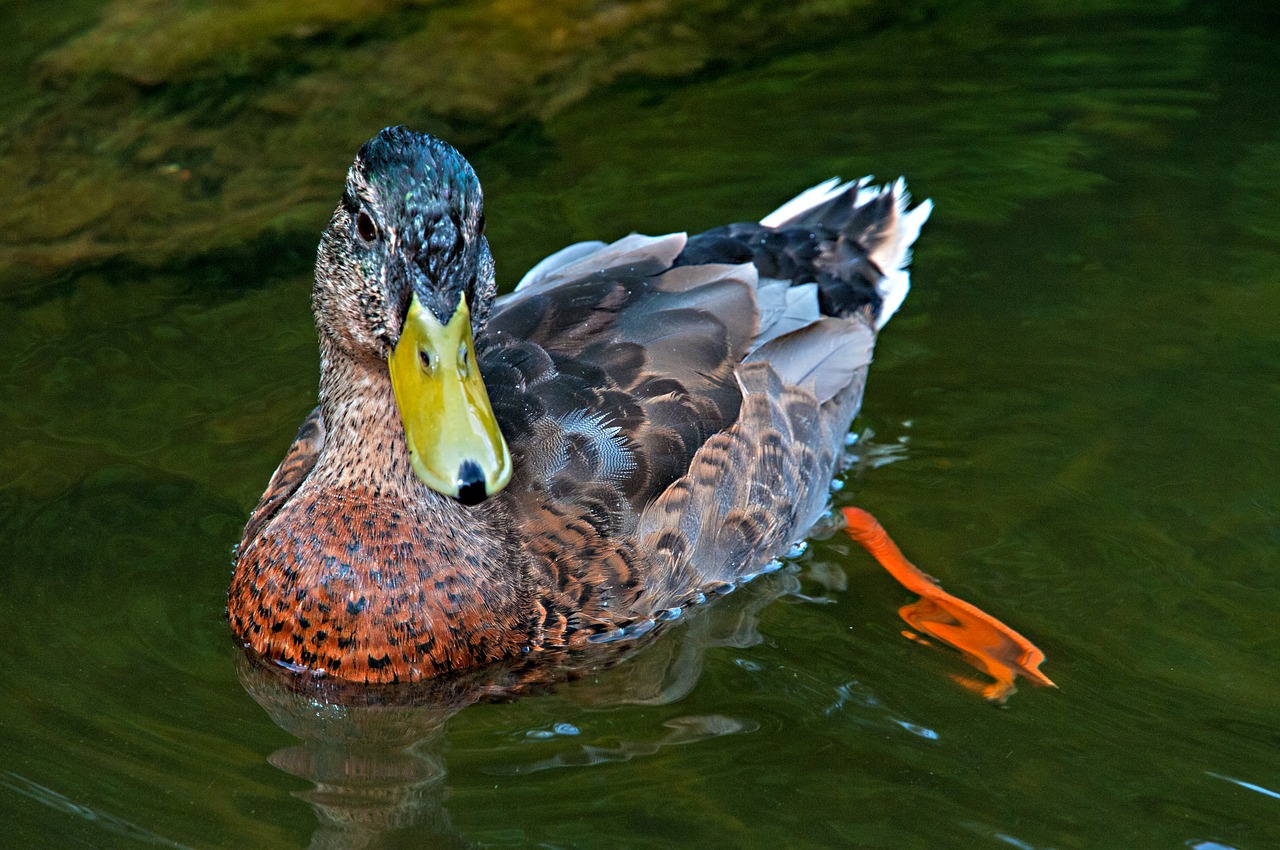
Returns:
<point x="375" y="753"/>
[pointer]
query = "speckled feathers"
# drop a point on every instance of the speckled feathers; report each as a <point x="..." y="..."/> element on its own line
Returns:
<point x="674" y="407"/>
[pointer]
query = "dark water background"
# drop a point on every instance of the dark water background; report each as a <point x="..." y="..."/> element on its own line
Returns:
<point x="1074" y="418"/>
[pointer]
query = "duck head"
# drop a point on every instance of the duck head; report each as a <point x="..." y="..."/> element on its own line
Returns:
<point x="405" y="277"/>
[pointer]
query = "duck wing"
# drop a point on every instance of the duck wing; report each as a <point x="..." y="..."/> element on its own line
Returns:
<point x="676" y="406"/>
<point x="298" y="462"/>
<point x="616" y="372"/>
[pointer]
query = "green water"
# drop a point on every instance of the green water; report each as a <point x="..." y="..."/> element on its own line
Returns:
<point x="1073" y="420"/>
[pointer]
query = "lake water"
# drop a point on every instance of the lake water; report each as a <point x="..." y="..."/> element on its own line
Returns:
<point x="1071" y="422"/>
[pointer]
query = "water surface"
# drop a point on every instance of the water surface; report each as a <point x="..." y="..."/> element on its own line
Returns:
<point x="1071" y="423"/>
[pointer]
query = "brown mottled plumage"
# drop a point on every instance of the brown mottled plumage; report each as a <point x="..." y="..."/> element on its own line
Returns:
<point x="675" y="408"/>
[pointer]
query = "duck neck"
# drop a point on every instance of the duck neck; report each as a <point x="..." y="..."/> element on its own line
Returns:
<point x="362" y="421"/>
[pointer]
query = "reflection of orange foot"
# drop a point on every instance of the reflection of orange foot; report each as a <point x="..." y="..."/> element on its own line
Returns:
<point x="985" y="642"/>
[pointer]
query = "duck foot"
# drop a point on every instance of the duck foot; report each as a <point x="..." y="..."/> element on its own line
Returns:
<point x="984" y="641"/>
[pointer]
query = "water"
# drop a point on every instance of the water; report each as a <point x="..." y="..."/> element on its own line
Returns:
<point x="1073" y="422"/>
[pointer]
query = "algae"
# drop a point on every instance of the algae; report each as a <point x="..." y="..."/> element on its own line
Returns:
<point x="168" y="130"/>
<point x="171" y="130"/>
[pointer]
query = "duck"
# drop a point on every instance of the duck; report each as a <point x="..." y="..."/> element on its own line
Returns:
<point x="635" y="428"/>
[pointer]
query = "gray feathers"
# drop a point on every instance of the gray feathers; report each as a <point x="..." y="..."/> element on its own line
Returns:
<point x="710" y="398"/>
<point x="823" y="357"/>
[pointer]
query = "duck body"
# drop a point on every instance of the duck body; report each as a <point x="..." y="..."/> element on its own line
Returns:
<point x="674" y="409"/>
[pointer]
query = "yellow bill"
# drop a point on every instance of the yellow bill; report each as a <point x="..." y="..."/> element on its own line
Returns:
<point x="455" y="444"/>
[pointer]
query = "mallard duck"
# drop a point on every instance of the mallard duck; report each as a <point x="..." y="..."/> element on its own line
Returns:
<point x="637" y="426"/>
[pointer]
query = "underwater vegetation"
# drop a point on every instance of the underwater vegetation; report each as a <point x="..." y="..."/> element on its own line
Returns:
<point x="159" y="131"/>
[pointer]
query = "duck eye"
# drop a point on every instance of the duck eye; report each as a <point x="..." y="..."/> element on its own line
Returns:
<point x="365" y="227"/>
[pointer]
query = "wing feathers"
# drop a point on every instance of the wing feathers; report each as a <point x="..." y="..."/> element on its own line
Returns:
<point x="547" y="267"/>
<point x="635" y="254"/>
<point x="798" y="308"/>
<point x="823" y="357"/>
<point x="679" y="403"/>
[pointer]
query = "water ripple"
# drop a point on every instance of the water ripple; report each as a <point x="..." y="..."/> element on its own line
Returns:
<point x="111" y="823"/>
<point x="684" y="730"/>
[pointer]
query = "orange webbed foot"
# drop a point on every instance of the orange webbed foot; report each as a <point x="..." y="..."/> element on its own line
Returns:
<point x="984" y="641"/>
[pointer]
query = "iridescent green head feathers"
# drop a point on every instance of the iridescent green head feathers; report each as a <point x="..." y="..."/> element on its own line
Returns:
<point x="405" y="275"/>
<point x="411" y="222"/>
